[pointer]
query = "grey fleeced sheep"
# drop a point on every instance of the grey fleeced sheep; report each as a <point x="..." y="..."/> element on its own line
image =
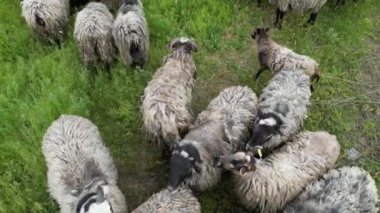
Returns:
<point x="130" y="32"/>
<point x="276" y="57"/>
<point x="167" y="98"/>
<point x="81" y="174"/>
<point x="47" y="19"/>
<point x="348" y="189"/>
<point x="180" y="200"/>
<point x="221" y="129"/>
<point x="300" y="6"/>
<point x="93" y="34"/>
<point x="282" y="109"/>
<point x="270" y="183"/>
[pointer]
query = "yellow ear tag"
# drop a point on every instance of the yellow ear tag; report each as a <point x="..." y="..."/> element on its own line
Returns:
<point x="259" y="152"/>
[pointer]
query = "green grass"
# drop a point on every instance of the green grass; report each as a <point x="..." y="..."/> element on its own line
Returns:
<point x="39" y="82"/>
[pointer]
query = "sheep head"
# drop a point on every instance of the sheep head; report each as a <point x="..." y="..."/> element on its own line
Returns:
<point x="239" y="161"/>
<point x="260" y="32"/>
<point x="184" y="162"/>
<point x="183" y="43"/>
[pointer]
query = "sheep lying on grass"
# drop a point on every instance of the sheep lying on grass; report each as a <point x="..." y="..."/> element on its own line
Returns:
<point x="221" y="129"/>
<point x="93" y="34"/>
<point x="282" y="109"/>
<point x="180" y="200"/>
<point x="276" y="57"/>
<point x="348" y="189"/>
<point x="269" y="184"/>
<point x="300" y="6"/>
<point x="47" y="19"/>
<point x="81" y="174"/>
<point x="130" y="32"/>
<point x="167" y="98"/>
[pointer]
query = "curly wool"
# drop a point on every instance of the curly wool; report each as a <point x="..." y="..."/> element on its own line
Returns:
<point x="93" y="34"/>
<point x="281" y="176"/>
<point x="167" y="98"/>
<point x="78" y="163"/>
<point x="47" y="19"/>
<point x="219" y="130"/>
<point x="347" y="189"/>
<point x="180" y="200"/>
<point x="300" y="6"/>
<point x="129" y="31"/>
<point x="287" y="96"/>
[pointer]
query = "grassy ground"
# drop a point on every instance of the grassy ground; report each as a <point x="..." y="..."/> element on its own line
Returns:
<point x="39" y="82"/>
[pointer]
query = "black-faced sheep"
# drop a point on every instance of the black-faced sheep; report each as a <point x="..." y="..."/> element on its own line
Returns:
<point x="221" y="129"/>
<point x="276" y="57"/>
<point x="180" y="200"/>
<point x="167" y="98"/>
<point x="300" y="6"/>
<point x="93" y="34"/>
<point x="282" y="109"/>
<point x="267" y="185"/>
<point x="348" y="189"/>
<point x="81" y="174"/>
<point x="130" y="32"/>
<point x="47" y="19"/>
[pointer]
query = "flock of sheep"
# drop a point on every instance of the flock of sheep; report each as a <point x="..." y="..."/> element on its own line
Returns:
<point x="276" y="166"/>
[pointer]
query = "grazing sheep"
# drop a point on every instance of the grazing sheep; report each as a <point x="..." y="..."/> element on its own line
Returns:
<point x="81" y="174"/>
<point x="348" y="189"/>
<point x="300" y="6"/>
<point x="221" y="129"/>
<point x="282" y="109"/>
<point x="276" y="57"/>
<point x="166" y="100"/>
<point x="269" y="184"/>
<point x="47" y="19"/>
<point x="130" y="32"/>
<point x="93" y="34"/>
<point x="180" y="200"/>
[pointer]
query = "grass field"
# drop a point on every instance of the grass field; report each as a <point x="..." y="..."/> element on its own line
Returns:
<point x="39" y="82"/>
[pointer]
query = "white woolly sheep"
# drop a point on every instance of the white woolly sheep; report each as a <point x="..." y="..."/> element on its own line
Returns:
<point x="270" y="183"/>
<point x="166" y="100"/>
<point x="276" y="57"/>
<point x="93" y="34"/>
<point x="47" y="19"/>
<point x="180" y="200"/>
<point x="300" y="6"/>
<point x="81" y="174"/>
<point x="221" y="129"/>
<point x="130" y="32"/>
<point x="282" y="109"/>
<point x="348" y="189"/>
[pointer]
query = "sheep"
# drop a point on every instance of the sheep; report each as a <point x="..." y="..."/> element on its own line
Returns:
<point x="221" y="129"/>
<point x="180" y="200"/>
<point x="166" y="100"/>
<point x="81" y="174"/>
<point x="130" y="32"/>
<point x="47" y="19"/>
<point x="348" y="189"/>
<point x="300" y="6"/>
<point x="276" y="57"/>
<point x="268" y="184"/>
<point x="282" y="110"/>
<point x="93" y="35"/>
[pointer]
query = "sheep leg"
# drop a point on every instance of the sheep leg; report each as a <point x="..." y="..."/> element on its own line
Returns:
<point x="313" y="18"/>
<point x="279" y="17"/>
<point x="58" y="43"/>
<point x="262" y="69"/>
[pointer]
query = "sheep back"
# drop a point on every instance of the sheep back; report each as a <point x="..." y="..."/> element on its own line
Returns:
<point x="347" y="189"/>
<point x="93" y="34"/>
<point x="283" y="174"/>
<point x="180" y="200"/>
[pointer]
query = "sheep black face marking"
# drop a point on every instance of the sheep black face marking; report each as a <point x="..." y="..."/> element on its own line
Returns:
<point x="267" y="126"/>
<point x="94" y="202"/>
<point x="186" y="43"/>
<point x="185" y="159"/>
